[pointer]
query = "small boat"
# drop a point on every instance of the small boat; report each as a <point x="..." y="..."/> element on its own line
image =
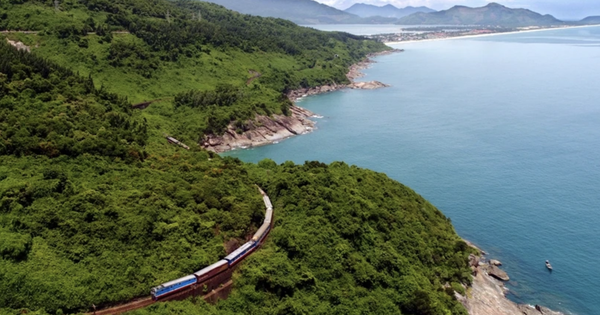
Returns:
<point x="548" y="265"/>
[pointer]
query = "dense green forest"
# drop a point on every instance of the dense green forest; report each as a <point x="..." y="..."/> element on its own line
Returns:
<point x="96" y="207"/>
<point x="157" y="49"/>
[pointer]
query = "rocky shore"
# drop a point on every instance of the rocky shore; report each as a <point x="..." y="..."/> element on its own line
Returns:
<point x="353" y="73"/>
<point x="487" y="295"/>
<point x="261" y="131"/>
<point x="265" y="130"/>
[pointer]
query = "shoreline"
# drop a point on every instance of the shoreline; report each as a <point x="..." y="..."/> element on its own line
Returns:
<point x="489" y="34"/>
<point x="487" y="294"/>
<point x="264" y="130"/>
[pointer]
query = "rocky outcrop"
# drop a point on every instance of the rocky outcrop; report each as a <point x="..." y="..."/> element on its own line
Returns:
<point x="261" y="131"/>
<point x="367" y="85"/>
<point x="537" y="310"/>
<point x="497" y="273"/>
<point x="354" y="72"/>
<point x="487" y="295"/>
<point x="495" y="262"/>
<point x="19" y="45"/>
<point x="265" y="130"/>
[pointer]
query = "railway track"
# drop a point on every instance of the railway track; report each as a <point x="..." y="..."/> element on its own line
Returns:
<point x="219" y="287"/>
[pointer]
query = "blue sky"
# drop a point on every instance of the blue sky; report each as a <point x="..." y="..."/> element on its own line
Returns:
<point x="565" y="9"/>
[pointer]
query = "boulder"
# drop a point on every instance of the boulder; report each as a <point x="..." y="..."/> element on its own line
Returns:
<point x="368" y="85"/>
<point x="473" y="260"/>
<point x="537" y="310"/>
<point x="495" y="262"/>
<point x="497" y="273"/>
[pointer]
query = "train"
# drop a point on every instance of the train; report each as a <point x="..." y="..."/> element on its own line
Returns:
<point x="169" y="288"/>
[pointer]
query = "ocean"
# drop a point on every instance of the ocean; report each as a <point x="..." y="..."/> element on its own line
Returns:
<point x="501" y="133"/>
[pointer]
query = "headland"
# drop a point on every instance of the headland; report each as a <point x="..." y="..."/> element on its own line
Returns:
<point x="263" y="130"/>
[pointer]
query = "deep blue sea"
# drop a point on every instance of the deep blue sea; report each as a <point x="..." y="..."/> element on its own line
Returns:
<point x="501" y="133"/>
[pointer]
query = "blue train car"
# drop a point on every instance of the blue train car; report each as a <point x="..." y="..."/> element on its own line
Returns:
<point x="240" y="253"/>
<point x="171" y="287"/>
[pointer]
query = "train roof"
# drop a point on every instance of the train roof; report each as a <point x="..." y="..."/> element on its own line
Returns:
<point x="211" y="267"/>
<point x="238" y="251"/>
<point x="170" y="283"/>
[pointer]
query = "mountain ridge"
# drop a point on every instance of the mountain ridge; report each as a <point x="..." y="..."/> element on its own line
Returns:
<point x="368" y="10"/>
<point x="297" y="11"/>
<point x="493" y="14"/>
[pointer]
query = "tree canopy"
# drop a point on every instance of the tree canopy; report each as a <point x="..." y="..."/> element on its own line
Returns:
<point x="97" y="208"/>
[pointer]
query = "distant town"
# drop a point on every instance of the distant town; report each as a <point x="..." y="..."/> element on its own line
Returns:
<point x="443" y="32"/>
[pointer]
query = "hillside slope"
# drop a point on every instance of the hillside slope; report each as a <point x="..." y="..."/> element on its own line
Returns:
<point x="105" y="223"/>
<point x="388" y="10"/>
<point x="492" y="14"/>
<point x="590" y="20"/>
<point x="97" y="208"/>
<point x="147" y="50"/>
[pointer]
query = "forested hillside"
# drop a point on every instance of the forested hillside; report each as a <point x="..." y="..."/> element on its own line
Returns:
<point x="96" y="208"/>
<point x="147" y="50"/>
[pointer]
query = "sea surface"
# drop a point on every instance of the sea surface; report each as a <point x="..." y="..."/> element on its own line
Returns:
<point x="501" y="133"/>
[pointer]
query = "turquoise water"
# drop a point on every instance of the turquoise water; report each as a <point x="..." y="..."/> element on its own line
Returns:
<point x="501" y="133"/>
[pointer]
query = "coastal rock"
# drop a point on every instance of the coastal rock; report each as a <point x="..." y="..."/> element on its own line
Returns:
<point x="473" y="260"/>
<point x="497" y="273"/>
<point x="265" y="130"/>
<point x="261" y="131"/>
<point x="537" y="310"/>
<point x="368" y="85"/>
<point x="487" y="296"/>
<point x="495" y="262"/>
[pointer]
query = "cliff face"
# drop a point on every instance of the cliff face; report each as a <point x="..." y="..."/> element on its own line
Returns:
<point x="261" y="131"/>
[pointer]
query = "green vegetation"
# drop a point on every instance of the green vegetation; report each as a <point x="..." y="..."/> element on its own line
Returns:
<point x="45" y="109"/>
<point x="148" y="50"/>
<point x="96" y="208"/>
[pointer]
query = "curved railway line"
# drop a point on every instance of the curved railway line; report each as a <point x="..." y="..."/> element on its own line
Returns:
<point x="211" y="283"/>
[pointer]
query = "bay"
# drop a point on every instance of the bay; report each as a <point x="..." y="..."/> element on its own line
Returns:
<point x="501" y="133"/>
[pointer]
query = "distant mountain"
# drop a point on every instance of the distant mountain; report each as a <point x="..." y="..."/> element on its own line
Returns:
<point x="297" y="11"/>
<point x="368" y="10"/>
<point x="492" y="14"/>
<point x="590" y="20"/>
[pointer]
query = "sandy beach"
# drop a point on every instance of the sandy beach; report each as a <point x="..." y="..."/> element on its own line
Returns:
<point x="489" y="34"/>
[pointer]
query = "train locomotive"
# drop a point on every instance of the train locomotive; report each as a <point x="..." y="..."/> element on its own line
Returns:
<point x="169" y="288"/>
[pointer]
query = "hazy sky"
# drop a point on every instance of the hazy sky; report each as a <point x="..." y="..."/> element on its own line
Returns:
<point x="566" y="9"/>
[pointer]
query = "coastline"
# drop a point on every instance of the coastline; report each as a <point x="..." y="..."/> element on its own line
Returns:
<point x="264" y="130"/>
<point x="261" y="131"/>
<point x="489" y="34"/>
<point x="487" y="294"/>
